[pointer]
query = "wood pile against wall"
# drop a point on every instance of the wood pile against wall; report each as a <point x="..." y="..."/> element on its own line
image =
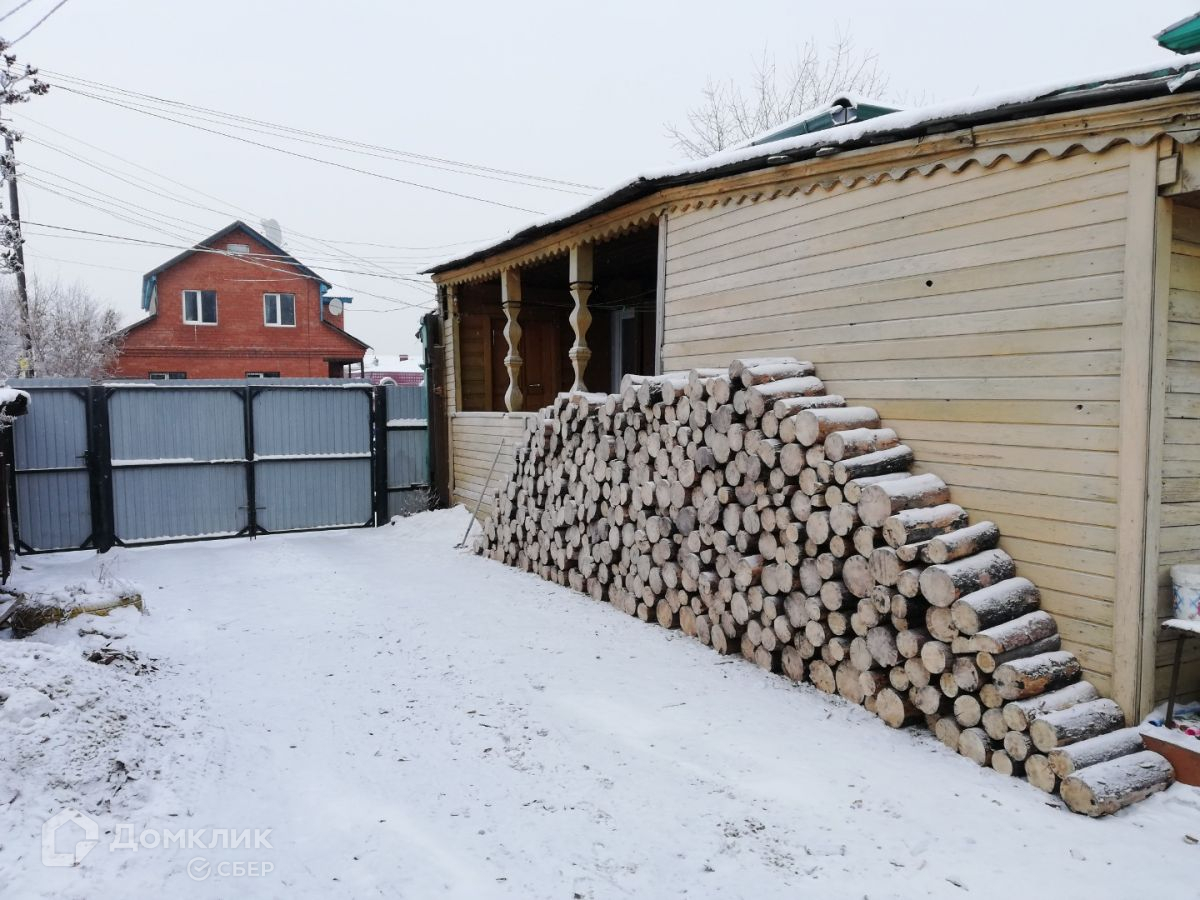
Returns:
<point x="764" y="517"/>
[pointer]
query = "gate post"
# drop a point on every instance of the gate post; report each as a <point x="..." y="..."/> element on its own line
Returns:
<point x="379" y="459"/>
<point x="100" y="476"/>
<point x="248" y="426"/>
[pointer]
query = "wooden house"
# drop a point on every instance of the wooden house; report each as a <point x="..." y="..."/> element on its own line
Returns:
<point x="1013" y="282"/>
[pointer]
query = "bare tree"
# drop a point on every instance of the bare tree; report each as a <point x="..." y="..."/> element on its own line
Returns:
<point x="16" y="86"/>
<point x="72" y="334"/>
<point x="730" y="113"/>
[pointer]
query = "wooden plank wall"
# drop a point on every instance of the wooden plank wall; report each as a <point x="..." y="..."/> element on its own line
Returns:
<point x="476" y="437"/>
<point x="980" y="312"/>
<point x="1180" y="519"/>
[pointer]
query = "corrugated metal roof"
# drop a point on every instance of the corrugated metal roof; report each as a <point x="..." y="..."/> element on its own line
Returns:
<point x="1121" y="87"/>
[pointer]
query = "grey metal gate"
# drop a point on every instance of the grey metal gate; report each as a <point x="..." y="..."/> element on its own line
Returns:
<point x="405" y="414"/>
<point x="178" y="462"/>
<point x="149" y="462"/>
<point x="312" y="452"/>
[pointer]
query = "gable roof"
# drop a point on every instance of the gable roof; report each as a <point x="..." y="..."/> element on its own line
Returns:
<point x="150" y="278"/>
<point x="1122" y="87"/>
<point x="284" y="257"/>
<point x="344" y="333"/>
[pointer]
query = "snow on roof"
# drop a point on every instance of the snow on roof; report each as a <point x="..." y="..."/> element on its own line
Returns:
<point x="1176" y="73"/>
<point x="385" y="362"/>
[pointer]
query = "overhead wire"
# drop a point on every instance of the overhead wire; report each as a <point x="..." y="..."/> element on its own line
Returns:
<point x="16" y="9"/>
<point x="226" y="253"/>
<point x="305" y="239"/>
<point x="186" y="201"/>
<point x="377" y="149"/>
<point x="298" y="155"/>
<point x="38" y="24"/>
<point x="405" y="280"/>
<point x="166" y="219"/>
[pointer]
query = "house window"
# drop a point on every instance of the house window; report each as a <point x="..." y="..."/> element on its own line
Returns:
<point x="168" y="376"/>
<point x="279" y="310"/>
<point x="262" y="374"/>
<point x="200" y="307"/>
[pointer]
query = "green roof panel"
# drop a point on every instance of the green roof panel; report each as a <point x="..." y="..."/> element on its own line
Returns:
<point x="1182" y="37"/>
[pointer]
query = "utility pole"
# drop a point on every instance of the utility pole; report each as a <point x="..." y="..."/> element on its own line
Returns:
<point x="11" y="239"/>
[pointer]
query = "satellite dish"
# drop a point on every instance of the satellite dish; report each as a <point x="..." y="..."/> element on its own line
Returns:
<point x="335" y="307"/>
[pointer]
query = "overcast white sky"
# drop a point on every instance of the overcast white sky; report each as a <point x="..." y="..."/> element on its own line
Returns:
<point x="551" y="88"/>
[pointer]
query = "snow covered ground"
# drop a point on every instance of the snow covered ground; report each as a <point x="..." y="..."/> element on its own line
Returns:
<point x="409" y="720"/>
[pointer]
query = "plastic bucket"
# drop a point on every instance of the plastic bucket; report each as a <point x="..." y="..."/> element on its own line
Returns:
<point x="1185" y="589"/>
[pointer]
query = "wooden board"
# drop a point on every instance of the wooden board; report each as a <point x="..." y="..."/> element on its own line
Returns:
<point x="982" y="315"/>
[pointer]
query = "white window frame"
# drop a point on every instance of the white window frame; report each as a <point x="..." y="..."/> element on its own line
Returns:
<point x="278" y="309"/>
<point x="200" y="308"/>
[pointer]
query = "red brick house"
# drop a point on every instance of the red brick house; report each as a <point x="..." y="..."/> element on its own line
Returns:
<point x="236" y="306"/>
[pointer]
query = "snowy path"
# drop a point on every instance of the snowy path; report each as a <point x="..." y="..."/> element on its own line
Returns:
<point x="412" y="721"/>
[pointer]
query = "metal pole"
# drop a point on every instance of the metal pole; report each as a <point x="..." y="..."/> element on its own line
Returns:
<point x="479" y="502"/>
<point x="1174" y="682"/>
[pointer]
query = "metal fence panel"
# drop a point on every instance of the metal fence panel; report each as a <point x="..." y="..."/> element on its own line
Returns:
<point x="407" y="449"/>
<point x="158" y="503"/>
<point x="54" y="509"/>
<point x="159" y="461"/>
<point x="163" y="424"/>
<point x="52" y="485"/>
<point x="154" y="434"/>
<point x="311" y="422"/>
<point x="312" y="451"/>
<point x="313" y="493"/>
<point x="406" y="402"/>
<point x="53" y="434"/>
<point x="407" y="502"/>
<point x="408" y="457"/>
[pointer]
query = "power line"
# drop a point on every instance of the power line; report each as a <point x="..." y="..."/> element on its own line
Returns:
<point x="389" y="151"/>
<point x="328" y="142"/>
<point x="165" y="218"/>
<point x="76" y="197"/>
<point x="298" y="155"/>
<point x="36" y="25"/>
<point x="407" y="280"/>
<point x="187" y="202"/>
<point x="225" y="253"/>
<point x="16" y="9"/>
<point x="37" y="257"/>
<point x="116" y="215"/>
<point x="341" y="253"/>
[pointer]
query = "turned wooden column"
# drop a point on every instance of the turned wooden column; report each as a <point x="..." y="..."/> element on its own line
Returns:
<point x="510" y="302"/>
<point x="581" y="317"/>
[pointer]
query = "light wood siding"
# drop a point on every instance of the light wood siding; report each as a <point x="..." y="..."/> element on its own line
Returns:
<point x="1179" y="532"/>
<point x="476" y="438"/>
<point x="450" y="344"/>
<point x="980" y="312"/>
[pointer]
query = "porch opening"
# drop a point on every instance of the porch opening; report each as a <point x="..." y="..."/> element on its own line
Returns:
<point x="622" y="334"/>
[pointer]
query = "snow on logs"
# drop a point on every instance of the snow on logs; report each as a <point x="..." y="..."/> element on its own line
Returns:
<point x="751" y="510"/>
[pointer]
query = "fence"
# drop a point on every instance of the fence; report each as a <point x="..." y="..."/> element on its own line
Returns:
<point x="149" y="462"/>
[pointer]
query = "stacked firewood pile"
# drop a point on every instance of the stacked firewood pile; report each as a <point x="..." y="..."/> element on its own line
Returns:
<point x="762" y="516"/>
